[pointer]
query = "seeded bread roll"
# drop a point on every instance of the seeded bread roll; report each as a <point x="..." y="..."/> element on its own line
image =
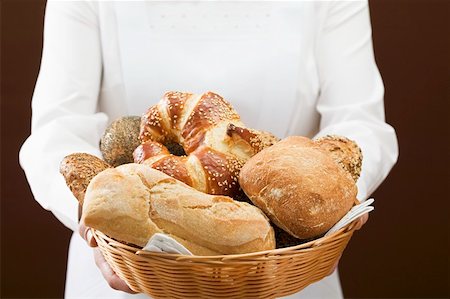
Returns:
<point x="344" y="151"/>
<point x="78" y="170"/>
<point x="132" y="202"/>
<point x="299" y="186"/>
<point x="120" y="140"/>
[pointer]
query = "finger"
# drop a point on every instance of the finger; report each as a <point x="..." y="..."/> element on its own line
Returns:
<point x="110" y="276"/>
<point x="86" y="234"/>
<point x="362" y="220"/>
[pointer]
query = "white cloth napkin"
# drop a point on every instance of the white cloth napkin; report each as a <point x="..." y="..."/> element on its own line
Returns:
<point x="354" y="213"/>
<point x="163" y="243"/>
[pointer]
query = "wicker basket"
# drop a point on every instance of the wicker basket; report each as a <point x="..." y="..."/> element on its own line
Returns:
<point x="267" y="274"/>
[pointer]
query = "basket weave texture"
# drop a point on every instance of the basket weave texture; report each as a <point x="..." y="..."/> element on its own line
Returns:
<point x="267" y="274"/>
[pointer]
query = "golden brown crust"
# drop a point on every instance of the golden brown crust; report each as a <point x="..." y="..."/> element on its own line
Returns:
<point x="256" y="140"/>
<point x="151" y="126"/>
<point x="209" y="129"/>
<point x="149" y="149"/>
<point x="299" y="186"/>
<point x="175" y="167"/>
<point x="344" y="151"/>
<point x="78" y="170"/>
<point x="132" y="202"/>
<point x="174" y="103"/>
<point x="209" y="111"/>
<point x="221" y="171"/>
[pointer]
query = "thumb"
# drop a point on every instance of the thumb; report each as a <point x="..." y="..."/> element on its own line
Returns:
<point x="86" y="234"/>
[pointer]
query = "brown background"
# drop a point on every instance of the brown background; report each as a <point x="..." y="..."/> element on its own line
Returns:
<point x="401" y="252"/>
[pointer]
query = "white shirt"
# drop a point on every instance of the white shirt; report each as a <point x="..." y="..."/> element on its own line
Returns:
<point x="291" y="68"/>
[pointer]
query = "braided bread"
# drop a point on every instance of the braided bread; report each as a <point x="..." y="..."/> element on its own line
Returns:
<point x="216" y="142"/>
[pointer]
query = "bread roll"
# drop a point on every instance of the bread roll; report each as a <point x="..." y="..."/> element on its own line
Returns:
<point x="78" y="169"/>
<point x="132" y="202"/>
<point x="120" y="139"/>
<point x="344" y="151"/>
<point x="299" y="186"/>
<point x="214" y="139"/>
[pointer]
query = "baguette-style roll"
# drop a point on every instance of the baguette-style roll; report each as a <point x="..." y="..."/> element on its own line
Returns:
<point x="132" y="202"/>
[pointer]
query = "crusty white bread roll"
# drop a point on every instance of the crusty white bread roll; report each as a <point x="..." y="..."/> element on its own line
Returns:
<point x="299" y="186"/>
<point x="132" y="202"/>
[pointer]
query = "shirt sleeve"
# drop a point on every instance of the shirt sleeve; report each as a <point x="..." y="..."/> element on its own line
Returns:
<point x="64" y="105"/>
<point x="351" y="90"/>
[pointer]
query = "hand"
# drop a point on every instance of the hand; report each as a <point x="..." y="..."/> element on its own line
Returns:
<point x="362" y="220"/>
<point x="110" y="276"/>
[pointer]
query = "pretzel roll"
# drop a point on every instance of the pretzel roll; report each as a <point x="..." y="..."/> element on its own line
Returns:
<point x="216" y="142"/>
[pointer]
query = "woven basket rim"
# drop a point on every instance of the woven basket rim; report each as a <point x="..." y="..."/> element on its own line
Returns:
<point x="264" y="274"/>
<point x="349" y="228"/>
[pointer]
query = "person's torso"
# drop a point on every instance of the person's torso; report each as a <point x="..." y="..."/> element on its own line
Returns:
<point x="257" y="55"/>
